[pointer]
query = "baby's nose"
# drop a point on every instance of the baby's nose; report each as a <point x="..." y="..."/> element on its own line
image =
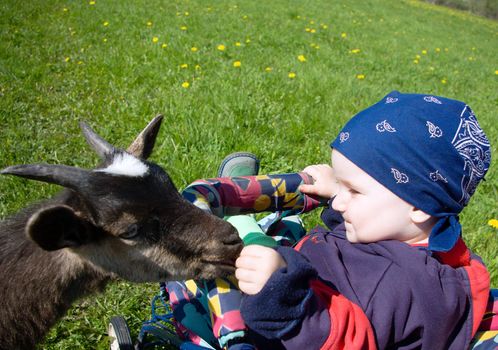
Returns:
<point x="339" y="204"/>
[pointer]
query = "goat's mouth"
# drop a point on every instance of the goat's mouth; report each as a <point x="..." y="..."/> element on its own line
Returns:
<point x="219" y="268"/>
<point x="226" y="263"/>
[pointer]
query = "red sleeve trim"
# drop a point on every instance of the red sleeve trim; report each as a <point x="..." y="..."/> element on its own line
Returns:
<point x="479" y="287"/>
<point x="301" y="242"/>
<point x="349" y="326"/>
<point x="458" y="256"/>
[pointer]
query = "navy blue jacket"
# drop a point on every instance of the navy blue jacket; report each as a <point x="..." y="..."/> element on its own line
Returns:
<point x="334" y="294"/>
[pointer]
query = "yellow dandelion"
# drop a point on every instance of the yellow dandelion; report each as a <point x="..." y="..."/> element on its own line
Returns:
<point x="493" y="223"/>
<point x="65" y="9"/>
<point x="197" y="67"/>
<point x="307" y="29"/>
<point x="106" y="24"/>
<point x="496" y="72"/>
<point x="184" y="66"/>
<point x="324" y="26"/>
<point x="415" y="61"/>
<point x="237" y="64"/>
<point x="312" y="44"/>
<point x="155" y="39"/>
<point x="343" y="35"/>
<point x="313" y="31"/>
<point x="292" y="75"/>
<point x="238" y="44"/>
<point x="301" y="58"/>
<point x="104" y="40"/>
<point x="438" y="49"/>
<point x="67" y="59"/>
<point x="446" y="49"/>
<point x="417" y="57"/>
<point x="360" y="76"/>
<point x="424" y="52"/>
<point x="164" y="45"/>
<point x="149" y="24"/>
<point x="268" y="69"/>
<point x="244" y="17"/>
<point x="221" y="47"/>
<point x="444" y="81"/>
<point x="80" y="62"/>
<point x="355" y="51"/>
<point x="298" y="17"/>
<point x="186" y="13"/>
<point x="317" y="47"/>
<point x="312" y="22"/>
<point x="194" y="49"/>
<point x="185" y="85"/>
<point x="91" y="3"/>
<point x="183" y="28"/>
<point x="248" y="41"/>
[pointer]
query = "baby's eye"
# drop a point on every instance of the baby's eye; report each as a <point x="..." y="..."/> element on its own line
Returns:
<point x="353" y="191"/>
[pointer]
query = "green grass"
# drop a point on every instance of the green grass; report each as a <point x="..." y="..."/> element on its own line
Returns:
<point x="60" y="63"/>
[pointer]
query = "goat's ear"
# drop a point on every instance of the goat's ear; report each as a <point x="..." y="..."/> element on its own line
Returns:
<point x="58" y="227"/>
<point x="144" y="143"/>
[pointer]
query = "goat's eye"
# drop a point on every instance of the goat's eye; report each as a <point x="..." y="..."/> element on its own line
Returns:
<point x="131" y="233"/>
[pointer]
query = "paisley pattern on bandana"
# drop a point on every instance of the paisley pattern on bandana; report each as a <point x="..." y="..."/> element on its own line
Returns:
<point x="400" y="177"/>
<point x="473" y="146"/>
<point x="434" y="131"/>
<point x="436" y="176"/>
<point x="344" y="136"/>
<point x="432" y="99"/>
<point x="384" y="126"/>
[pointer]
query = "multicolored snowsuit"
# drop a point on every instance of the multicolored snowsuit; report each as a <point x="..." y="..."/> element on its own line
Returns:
<point x="218" y="301"/>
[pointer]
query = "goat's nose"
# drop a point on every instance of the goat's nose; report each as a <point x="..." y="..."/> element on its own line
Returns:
<point x="232" y="238"/>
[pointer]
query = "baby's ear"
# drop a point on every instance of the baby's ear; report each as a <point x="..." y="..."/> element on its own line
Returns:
<point x="419" y="217"/>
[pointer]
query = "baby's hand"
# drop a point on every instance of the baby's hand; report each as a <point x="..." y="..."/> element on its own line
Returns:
<point x="255" y="265"/>
<point x="325" y="184"/>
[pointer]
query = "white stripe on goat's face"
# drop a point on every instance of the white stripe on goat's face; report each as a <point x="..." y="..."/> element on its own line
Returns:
<point x="126" y="164"/>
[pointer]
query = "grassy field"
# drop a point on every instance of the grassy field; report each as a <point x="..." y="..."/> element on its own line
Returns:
<point x="275" y="78"/>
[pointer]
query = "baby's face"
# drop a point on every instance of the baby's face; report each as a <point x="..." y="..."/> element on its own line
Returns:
<point x="371" y="212"/>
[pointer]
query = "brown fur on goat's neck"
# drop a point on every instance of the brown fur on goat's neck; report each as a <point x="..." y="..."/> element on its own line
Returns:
<point x="37" y="287"/>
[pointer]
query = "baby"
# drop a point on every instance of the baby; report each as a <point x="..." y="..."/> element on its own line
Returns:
<point x="394" y="271"/>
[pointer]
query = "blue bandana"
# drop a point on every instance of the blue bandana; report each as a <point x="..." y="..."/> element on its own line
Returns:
<point x="428" y="150"/>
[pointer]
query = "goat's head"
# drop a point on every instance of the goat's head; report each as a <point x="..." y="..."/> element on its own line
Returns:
<point x="127" y="217"/>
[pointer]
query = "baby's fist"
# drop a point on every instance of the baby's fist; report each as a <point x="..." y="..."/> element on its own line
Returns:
<point x="255" y="265"/>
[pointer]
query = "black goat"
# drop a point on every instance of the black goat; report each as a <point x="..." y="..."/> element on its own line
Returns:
<point x="124" y="219"/>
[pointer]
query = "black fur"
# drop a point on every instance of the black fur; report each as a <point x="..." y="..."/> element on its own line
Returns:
<point x="103" y="225"/>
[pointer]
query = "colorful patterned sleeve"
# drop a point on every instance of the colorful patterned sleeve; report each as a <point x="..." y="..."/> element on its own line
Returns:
<point x="227" y="196"/>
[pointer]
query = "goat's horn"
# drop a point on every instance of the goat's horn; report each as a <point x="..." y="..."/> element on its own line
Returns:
<point x="63" y="175"/>
<point x="144" y="142"/>
<point x="103" y="148"/>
